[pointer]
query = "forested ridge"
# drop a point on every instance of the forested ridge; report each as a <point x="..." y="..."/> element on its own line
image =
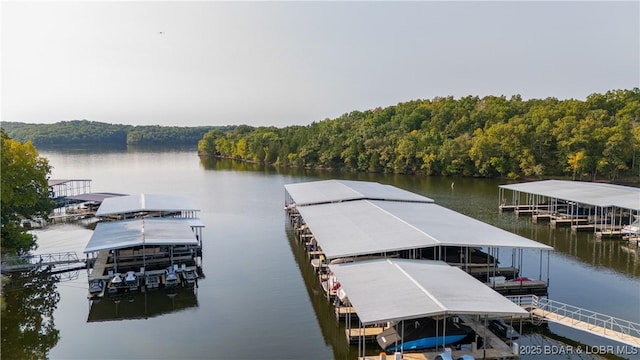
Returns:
<point x="92" y="132"/>
<point x="493" y="136"/>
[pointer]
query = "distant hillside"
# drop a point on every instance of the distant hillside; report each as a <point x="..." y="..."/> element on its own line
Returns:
<point x="493" y="136"/>
<point x="78" y="132"/>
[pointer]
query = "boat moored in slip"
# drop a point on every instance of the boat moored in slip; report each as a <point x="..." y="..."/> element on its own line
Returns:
<point x="425" y="333"/>
<point x="131" y="281"/>
<point x="170" y="278"/>
<point x="96" y="288"/>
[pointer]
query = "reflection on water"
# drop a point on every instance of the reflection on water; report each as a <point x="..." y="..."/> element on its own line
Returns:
<point x="28" y="328"/>
<point x="142" y="305"/>
<point x="261" y="298"/>
<point x="333" y="331"/>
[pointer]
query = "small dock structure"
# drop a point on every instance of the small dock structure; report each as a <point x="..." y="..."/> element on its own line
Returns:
<point x="380" y="230"/>
<point x="145" y="242"/>
<point x="74" y="201"/>
<point x="585" y="206"/>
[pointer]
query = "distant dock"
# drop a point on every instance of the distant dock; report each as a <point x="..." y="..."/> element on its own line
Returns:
<point x="604" y="209"/>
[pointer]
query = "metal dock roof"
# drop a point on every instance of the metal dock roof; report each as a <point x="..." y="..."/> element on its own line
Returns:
<point x="588" y="193"/>
<point x="138" y="232"/>
<point x="144" y="202"/>
<point x="393" y="290"/>
<point x="370" y="226"/>
<point x="328" y="191"/>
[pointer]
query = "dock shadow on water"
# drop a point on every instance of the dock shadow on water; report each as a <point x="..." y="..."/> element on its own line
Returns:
<point x="28" y="328"/>
<point x="333" y="331"/>
<point x="142" y="305"/>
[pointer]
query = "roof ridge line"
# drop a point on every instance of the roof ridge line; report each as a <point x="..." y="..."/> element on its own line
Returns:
<point x="416" y="283"/>
<point x="405" y="222"/>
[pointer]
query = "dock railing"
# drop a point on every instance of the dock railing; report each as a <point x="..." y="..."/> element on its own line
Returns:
<point x="572" y="315"/>
<point x="18" y="263"/>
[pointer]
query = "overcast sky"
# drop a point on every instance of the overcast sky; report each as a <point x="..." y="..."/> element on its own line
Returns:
<point x="284" y="63"/>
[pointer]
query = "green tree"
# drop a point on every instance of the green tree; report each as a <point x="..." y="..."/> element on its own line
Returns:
<point x="24" y="191"/>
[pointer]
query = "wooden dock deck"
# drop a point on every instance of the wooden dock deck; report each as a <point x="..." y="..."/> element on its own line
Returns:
<point x="343" y="312"/>
<point x="565" y="221"/>
<point x="370" y="334"/>
<point x="536" y="287"/>
<point x="584" y="326"/>
<point x="99" y="265"/>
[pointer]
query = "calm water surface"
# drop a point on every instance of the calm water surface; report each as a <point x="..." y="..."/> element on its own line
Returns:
<point x="260" y="299"/>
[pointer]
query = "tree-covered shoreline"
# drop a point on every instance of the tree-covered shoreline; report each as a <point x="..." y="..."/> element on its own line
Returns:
<point x="85" y="132"/>
<point x="598" y="138"/>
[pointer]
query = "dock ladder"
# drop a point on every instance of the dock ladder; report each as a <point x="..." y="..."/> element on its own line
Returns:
<point x="542" y="308"/>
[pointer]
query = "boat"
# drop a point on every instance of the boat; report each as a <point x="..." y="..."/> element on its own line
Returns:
<point x="632" y="229"/>
<point x="96" y="288"/>
<point x="189" y="276"/>
<point x="170" y="277"/>
<point x="131" y="281"/>
<point x="502" y="329"/>
<point x="115" y="284"/>
<point x="424" y="333"/>
<point x="152" y="281"/>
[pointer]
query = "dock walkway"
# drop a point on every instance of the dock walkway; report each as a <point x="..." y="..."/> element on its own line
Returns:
<point x="99" y="265"/>
<point x="63" y="260"/>
<point x="609" y="327"/>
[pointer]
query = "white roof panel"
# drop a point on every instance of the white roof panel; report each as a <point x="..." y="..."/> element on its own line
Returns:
<point x="368" y="226"/>
<point x="359" y="228"/>
<point x="588" y="193"/>
<point x="138" y="232"/>
<point x="396" y="289"/>
<point x="449" y="227"/>
<point x="327" y="191"/>
<point x="144" y="202"/>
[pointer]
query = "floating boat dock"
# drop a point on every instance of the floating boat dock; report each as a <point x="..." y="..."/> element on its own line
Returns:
<point x="585" y="206"/>
<point x="384" y="234"/>
<point x="145" y="242"/>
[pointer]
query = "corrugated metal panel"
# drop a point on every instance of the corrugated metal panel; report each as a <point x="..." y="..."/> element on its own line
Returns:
<point x="144" y="202"/>
<point x="588" y="193"/>
<point x="138" y="232"/>
<point x="452" y="228"/>
<point x="359" y="228"/>
<point x="367" y="227"/>
<point x="328" y="191"/>
<point x="394" y="290"/>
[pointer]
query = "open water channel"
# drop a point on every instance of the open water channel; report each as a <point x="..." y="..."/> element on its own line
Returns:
<point x="259" y="299"/>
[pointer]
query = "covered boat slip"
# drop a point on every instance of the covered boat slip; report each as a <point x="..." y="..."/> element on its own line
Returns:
<point x="147" y="205"/>
<point x="419" y="230"/>
<point x="329" y="191"/>
<point x="144" y="246"/>
<point x="395" y="290"/>
<point x="602" y="207"/>
<point x="386" y="290"/>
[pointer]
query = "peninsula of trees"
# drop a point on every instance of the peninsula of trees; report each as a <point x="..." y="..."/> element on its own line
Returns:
<point x="78" y="132"/>
<point x="493" y="136"/>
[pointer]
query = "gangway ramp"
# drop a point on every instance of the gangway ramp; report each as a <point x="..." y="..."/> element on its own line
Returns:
<point x="613" y="328"/>
<point x="61" y="261"/>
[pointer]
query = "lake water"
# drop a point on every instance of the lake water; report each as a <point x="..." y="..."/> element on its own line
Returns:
<point x="260" y="299"/>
